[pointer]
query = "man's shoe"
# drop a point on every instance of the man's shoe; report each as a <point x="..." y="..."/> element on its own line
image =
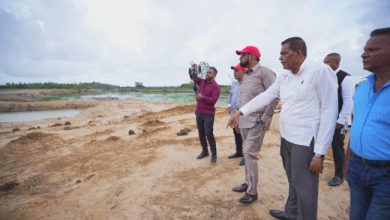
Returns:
<point x="278" y="214"/>
<point x="202" y="155"/>
<point x="213" y="159"/>
<point x="335" y="181"/>
<point x="241" y="188"/>
<point x="235" y="155"/>
<point x="242" y="162"/>
<point x="248" y="198"/>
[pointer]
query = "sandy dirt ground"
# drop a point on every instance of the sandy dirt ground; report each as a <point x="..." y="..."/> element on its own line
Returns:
<point x="89" y="167"/>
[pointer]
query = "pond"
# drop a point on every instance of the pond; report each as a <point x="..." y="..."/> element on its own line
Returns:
<point x="36" y="115"/>
<point x="187" y="98"/>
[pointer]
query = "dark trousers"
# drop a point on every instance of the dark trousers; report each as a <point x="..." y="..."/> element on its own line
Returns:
<point x="338" y="152"/>
<point x="238" y="140"/>
<point x="205" y="125"/>
<point x="303" y="185"/>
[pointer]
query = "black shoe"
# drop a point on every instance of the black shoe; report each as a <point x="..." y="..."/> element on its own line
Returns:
<point x="235" y="155"/>
<point x="278" y="214"/>
<point x="335" y="181"/>
<point x="202" y="155"/>
<point x="242" y="162"/>
<point x="248" y="198"/>
<point x="241" y="188"/>
<point x="213" y="159"/>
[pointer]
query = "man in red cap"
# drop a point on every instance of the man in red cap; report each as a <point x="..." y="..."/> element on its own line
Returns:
<point x="252" y="128"/>
<point x="233" y="105"/>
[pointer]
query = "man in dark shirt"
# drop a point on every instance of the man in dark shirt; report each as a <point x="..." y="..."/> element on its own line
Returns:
<point x="206" y="97"/>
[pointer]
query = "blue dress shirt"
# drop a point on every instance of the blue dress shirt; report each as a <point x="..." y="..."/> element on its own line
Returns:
<point x="234" y="97"/>
<point x="370" y="133"/>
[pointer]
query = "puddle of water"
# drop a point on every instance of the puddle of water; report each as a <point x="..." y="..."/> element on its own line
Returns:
<point x="36" y="115"/>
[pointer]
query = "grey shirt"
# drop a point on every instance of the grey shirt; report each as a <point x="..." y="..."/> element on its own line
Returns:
<point x="255" y="81"/>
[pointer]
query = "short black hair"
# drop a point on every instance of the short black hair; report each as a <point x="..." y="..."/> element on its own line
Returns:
<point x="214" y="69"/>
<point x="335" y="55"/>
<point x="380" y="31"/>
<point x="296" y="44"/>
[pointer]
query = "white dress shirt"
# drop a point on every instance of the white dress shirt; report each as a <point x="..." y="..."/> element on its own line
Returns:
<point x="347" y="91"/>
<point x="309" y="105"/>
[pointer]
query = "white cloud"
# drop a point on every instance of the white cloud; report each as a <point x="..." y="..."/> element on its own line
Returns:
<point x="152" y="41"/>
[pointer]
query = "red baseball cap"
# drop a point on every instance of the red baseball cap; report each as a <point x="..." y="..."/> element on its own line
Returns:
<point x="251" y="50"/>
<point x="239" y="67"/>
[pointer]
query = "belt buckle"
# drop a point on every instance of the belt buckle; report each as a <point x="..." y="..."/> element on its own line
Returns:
<point x="366" y="162"/>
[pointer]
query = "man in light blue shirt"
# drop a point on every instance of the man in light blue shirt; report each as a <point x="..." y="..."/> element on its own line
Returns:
<point x="233" y="106"/>
<point x="367" y="164"/>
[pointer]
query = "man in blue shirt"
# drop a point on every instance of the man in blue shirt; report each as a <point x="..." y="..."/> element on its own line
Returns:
<point x="233" y="106"/>
<point x="367" y="164"/>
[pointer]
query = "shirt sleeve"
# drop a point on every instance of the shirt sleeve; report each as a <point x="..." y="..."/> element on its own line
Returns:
<point x="214" y="96"/>
<point x="198" y="80"/>
<point x="262" y="99"/>
<point x="347" y="90"/>
<point x="327" y="94"/>
<point x="230" y="96"/>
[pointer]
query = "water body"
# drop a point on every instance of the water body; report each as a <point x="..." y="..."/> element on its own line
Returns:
<point x="187" y="98"/>
<point x="36" y="115"/>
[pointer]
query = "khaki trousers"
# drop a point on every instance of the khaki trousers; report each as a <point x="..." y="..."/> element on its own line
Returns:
<point x="253" y="139"/>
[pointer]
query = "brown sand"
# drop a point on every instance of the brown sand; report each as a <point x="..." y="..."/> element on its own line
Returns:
<point x="93" y="169"/>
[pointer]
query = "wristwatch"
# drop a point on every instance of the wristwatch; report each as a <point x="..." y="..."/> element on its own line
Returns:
<point x="319" y="155"/>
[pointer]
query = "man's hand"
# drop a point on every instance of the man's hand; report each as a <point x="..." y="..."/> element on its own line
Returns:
<point x="234" y="119"/>
<point x="345" y="168"/>
<point x="198" y="97"/>
<point x="338" y="126"/>
<point x="316" y="165"/>
<point x="237" y="129"/>
<point x="348" y="155"/>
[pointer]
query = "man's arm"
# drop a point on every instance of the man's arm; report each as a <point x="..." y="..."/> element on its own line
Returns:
<point x="198" y="80"/>
<point x="266" y="117"/>
<point x="347" y="90"/>
<point x="262" y="99"/>
<point x="326" y="90"/>
<point x="348" y="155"/>
<point x="214" y="96"/>
<point x="256" y="103"/>
<point x="327" y="94"/>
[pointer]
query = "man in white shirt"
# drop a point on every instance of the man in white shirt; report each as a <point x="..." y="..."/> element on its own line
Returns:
<point x="345" y="92"/>
<point x="309" y="110"/>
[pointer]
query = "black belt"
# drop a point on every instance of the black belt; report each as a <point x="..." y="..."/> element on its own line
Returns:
<point x="374" y="163"/>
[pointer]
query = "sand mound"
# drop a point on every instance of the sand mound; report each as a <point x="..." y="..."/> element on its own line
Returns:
<point x="31" y="137"/>
<point x="99" y="171"/>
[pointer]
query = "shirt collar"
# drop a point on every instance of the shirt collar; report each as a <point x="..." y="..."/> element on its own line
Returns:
<point x="371" y="79"/>
<point x="337" y="70"/>
<point x="301" y="68"/>
<point x="254" y="68"/>
<point x="212" y="81"/>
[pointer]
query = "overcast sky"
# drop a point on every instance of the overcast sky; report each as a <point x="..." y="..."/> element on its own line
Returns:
<point x="152" y="41"/>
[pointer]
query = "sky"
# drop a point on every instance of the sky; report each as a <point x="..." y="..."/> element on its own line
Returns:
<point x="121" y="42"/>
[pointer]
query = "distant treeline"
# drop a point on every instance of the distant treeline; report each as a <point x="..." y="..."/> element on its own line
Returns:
<point x="186" y="87"/>
<point x="52" y="85"/>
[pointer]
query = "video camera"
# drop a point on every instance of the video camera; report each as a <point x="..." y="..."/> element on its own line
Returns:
<point x="194" y="71"/>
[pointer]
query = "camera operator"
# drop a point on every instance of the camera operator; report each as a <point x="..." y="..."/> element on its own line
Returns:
<point x="206" y="96"/>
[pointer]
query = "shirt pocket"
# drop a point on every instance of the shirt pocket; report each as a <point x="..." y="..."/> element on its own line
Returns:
<point x="305" y="91"/>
